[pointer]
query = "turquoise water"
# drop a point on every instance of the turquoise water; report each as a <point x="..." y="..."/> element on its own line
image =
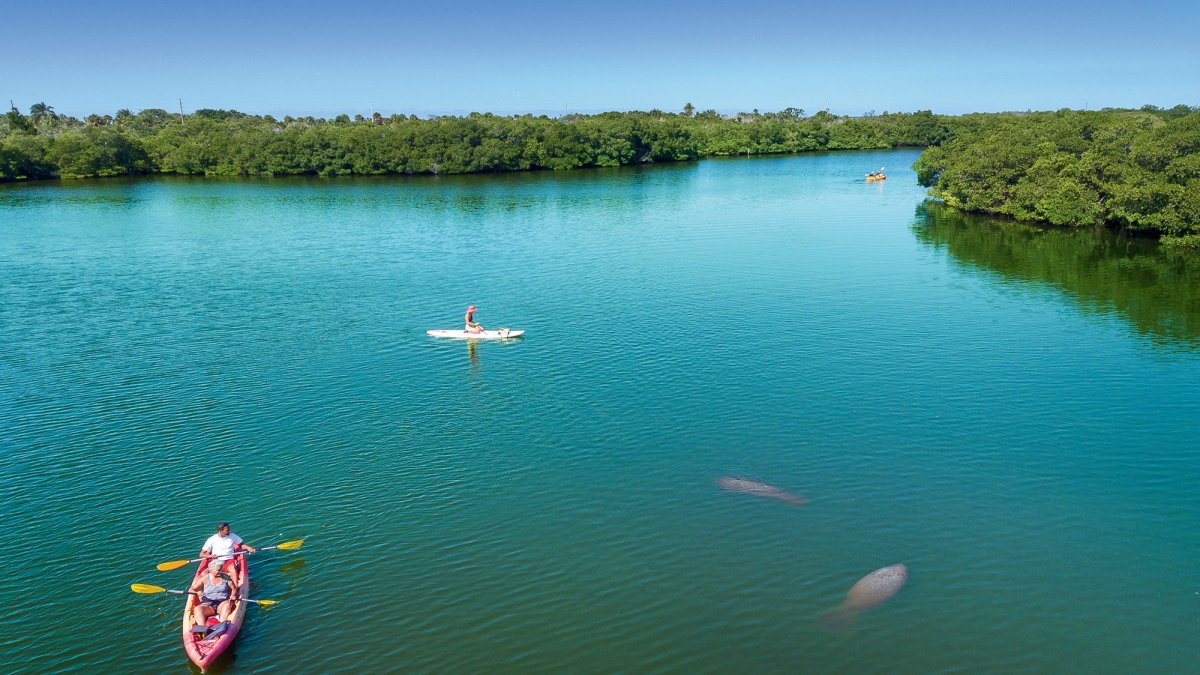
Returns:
<point x="1011" y="412"/>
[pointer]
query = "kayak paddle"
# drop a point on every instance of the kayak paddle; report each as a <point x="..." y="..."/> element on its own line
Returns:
<point x="147" y="588"/>
<point x="285" y="546"/>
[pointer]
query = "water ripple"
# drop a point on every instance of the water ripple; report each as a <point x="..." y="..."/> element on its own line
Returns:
<point x="174" y="353"/>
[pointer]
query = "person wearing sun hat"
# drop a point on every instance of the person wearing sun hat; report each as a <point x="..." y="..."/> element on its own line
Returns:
<point x="469" y="318"/>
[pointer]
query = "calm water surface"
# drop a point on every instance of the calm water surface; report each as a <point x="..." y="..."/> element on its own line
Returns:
<point x="1013" y="413"/>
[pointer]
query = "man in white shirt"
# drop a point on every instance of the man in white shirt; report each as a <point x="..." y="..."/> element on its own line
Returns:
<point x="222" y="545"/>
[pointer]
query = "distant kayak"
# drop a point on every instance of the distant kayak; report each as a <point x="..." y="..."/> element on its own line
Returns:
<point x="502" y="334"/>
<point x="876" y="177"/>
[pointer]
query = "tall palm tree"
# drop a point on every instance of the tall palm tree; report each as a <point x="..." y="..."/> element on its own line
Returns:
<point x="39" y="110"/>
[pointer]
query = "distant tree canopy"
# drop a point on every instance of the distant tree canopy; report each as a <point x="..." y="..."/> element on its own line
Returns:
<point x="1137" y="169"/>
<point x="44" y="144"/>
<point x="1134" y="169"/>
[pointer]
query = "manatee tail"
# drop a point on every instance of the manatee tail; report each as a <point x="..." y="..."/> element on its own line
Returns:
<point x="838" y="620"/>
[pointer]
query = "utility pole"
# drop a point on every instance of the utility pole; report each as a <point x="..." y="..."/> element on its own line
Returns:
<point x="181" y="110"/>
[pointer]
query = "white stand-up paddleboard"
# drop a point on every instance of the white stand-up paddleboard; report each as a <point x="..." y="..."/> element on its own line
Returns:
<point x="502" y="334"/>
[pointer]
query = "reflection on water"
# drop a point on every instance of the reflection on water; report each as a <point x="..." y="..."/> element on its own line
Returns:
<point x="33" y="198"/>
<point x="293" y="573"/>
<point x="1159" y="293"/>
<point x="293" y="567"/>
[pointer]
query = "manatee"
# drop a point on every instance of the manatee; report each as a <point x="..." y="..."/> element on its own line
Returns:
<point x="753" y="487"/>
<point x="870" y="590"/>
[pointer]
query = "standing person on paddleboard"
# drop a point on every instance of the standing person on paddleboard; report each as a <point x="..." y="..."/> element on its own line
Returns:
<point x="222" y="545"/>
<point x="472" y="327"/>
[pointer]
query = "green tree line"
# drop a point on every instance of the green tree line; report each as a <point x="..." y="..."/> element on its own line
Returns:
<point x="1132" y="169"/>
<point x="1137" y="170"/>
<point x="44" y="144"/>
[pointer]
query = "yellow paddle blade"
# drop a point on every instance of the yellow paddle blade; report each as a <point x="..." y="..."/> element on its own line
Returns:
<point x="267" y="603"/>
<point x="290" y="545"/>
<point x="146" y="588"/>
<point x="163" y="567"/>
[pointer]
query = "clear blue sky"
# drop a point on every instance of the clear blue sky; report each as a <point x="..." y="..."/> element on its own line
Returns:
<point x="323" y="58"/>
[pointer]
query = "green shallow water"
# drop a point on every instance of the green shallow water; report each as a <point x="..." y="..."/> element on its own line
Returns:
<point x="1011" y="412"/>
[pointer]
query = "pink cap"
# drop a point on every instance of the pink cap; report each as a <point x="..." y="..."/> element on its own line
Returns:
<point x="471" y="308"/>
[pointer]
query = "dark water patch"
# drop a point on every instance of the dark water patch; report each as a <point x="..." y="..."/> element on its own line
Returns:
<point x="1104" y="272"/>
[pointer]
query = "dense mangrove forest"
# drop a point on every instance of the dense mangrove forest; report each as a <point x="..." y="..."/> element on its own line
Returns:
<point x="43" y="144"/>
<point x="1136" y="170"/>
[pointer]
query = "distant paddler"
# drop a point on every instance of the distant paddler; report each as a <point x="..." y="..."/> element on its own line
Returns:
<point x="469" y="318"/>
<point x="472" y="327"/>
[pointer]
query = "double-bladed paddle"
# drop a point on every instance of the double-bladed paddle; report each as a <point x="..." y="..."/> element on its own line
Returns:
<point x="147" y="588"/>
<point x="285" y="546"/>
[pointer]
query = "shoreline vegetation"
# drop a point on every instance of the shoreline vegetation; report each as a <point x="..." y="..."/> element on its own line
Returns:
<point x="1134" y="170"/>
<point x="230" y="143"/>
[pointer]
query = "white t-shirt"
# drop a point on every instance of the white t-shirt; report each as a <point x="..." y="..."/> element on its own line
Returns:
<point x="222" y="547"/>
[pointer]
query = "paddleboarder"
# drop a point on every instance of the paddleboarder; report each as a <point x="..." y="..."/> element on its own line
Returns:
<point x="472" y="326"/>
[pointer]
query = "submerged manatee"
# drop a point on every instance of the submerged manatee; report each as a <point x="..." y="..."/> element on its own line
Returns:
<point x="753" y="487"/>
<point x="870" y="590"/>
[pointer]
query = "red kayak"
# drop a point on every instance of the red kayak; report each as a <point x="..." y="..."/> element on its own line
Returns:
<point x="204" y="648"/>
